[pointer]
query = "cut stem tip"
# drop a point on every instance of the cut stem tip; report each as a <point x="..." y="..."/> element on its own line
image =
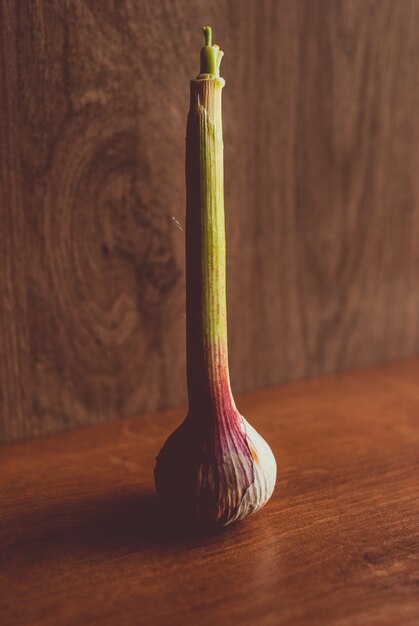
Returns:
<point x="208" y="35"/>
<point x="211" y="55"/>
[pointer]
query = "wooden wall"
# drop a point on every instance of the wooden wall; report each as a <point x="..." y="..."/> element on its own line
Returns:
<point x="322" y="196"/>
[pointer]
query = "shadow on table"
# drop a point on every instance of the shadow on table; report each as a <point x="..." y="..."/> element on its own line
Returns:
<point x="120" y="523"/>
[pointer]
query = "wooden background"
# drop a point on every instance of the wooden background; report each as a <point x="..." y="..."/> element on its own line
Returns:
<point x="322" y="196"/>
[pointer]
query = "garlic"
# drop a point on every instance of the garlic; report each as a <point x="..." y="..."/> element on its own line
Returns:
<point x="215" y="469"/>
<point x="218" y="474"/>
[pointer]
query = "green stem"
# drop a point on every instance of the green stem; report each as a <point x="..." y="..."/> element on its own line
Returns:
<point x="208" y="374"/>
<point x="208" y="35"/>
<point x="210" y="55"/>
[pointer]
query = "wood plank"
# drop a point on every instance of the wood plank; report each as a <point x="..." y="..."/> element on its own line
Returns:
<point x="322" y="154"/>
<point x="83" y="540"/>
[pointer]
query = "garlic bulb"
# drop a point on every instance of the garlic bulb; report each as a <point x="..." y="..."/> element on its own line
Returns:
<point x="215" y="468"/>
<point x="215" y="473"/>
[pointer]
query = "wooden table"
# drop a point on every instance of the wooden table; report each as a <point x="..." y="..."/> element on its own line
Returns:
<point x="83" y="540"/>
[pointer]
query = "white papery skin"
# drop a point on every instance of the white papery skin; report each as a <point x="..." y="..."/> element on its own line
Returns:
<point x="264" y="467"/>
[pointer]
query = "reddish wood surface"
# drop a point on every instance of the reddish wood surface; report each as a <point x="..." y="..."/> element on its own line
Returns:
<point x="322" y="196"/>
<point x="83" y="540"/>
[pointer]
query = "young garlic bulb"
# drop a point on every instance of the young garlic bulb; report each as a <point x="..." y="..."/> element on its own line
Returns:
<point x="215" y="475"/>
<point x="215" y="469"/>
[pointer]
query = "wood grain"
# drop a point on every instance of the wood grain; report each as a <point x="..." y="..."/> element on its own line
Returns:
<point x="83" y="540"/>
<point x="322" y="154"/>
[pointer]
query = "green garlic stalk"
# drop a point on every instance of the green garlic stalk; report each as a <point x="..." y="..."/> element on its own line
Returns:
<point x="215" y="468"/>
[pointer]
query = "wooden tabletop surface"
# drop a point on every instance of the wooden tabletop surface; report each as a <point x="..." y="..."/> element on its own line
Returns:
<point x="83" y="540"/>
